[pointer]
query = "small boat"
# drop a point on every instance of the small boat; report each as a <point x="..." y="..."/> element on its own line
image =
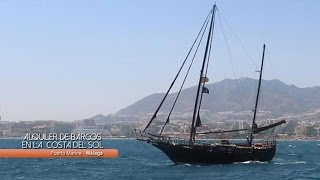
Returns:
<point x="195" y="151"/>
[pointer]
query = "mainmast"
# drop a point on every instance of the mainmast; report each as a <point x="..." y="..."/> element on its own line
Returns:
<point x="201" y="79"/>
<point x="254" y="125"/>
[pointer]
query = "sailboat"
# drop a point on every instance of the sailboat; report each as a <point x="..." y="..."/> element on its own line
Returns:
<point x="193" y="151"/>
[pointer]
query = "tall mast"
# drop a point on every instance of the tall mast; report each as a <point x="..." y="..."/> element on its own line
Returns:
<point x="254" y="125"/>
<point x="196" y="105"/>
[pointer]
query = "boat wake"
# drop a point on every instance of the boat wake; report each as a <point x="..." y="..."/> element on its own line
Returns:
<point x="181" y="165"/>
<point x="252" y="162"/>
<point x="290" y="163"/>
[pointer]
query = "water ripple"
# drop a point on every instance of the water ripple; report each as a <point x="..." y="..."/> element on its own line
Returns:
<point x="294" y="160"/>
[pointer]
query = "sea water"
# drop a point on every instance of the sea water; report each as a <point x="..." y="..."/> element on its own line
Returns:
<point x="138" y="160"/>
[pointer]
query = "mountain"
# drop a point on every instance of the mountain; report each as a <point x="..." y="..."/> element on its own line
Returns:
<point x="102" y="119"/>
<point x="99" y="118"/>
<point x="235" y="95"/>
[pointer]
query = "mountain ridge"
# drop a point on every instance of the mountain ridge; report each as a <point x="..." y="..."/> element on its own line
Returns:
<point x="235" y="95"/>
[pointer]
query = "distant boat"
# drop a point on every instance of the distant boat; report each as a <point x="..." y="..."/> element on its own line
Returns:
<point x="196" y="151"/>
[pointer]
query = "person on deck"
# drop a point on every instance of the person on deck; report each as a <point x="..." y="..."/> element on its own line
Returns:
<point x="248" y="141"/>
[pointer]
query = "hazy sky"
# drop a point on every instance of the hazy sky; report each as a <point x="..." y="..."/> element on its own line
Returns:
<point x="68" y="60"/>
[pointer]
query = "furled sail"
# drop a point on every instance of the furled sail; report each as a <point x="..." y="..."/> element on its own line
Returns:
<point x="198" y="123"/>
<point x="264" y="128"/>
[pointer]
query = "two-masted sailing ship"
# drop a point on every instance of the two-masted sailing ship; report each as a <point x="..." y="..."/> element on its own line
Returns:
<point x="191" y="150"/>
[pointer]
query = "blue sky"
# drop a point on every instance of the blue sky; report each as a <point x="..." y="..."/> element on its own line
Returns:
<point x="67" y="60"/>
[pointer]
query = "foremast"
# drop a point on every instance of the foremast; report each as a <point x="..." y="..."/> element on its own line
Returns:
<point x="254" y="125"/>
<point x="202" y="80"/>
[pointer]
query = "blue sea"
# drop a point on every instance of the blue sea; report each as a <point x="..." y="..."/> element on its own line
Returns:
<point x="138" y="160"/>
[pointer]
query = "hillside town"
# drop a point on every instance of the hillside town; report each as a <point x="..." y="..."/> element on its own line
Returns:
<point x="301" y="126"/>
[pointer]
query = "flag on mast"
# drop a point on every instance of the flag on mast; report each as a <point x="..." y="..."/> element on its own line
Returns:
<point x="205" y="90"/>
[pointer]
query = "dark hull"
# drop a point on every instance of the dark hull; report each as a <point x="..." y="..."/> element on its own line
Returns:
<point x="216" y="154"/>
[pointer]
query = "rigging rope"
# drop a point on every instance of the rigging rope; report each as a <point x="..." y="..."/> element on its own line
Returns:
<point x="271" y="133"/>
<point x="187" y="73"/>
<point x="232" y="63"/>
<point x="271" y="67"/>
<point x="194" y="116"/>
<point x="240" y="42"/>
<point x="207" y="66"/>
<point x="174" y="80"/>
